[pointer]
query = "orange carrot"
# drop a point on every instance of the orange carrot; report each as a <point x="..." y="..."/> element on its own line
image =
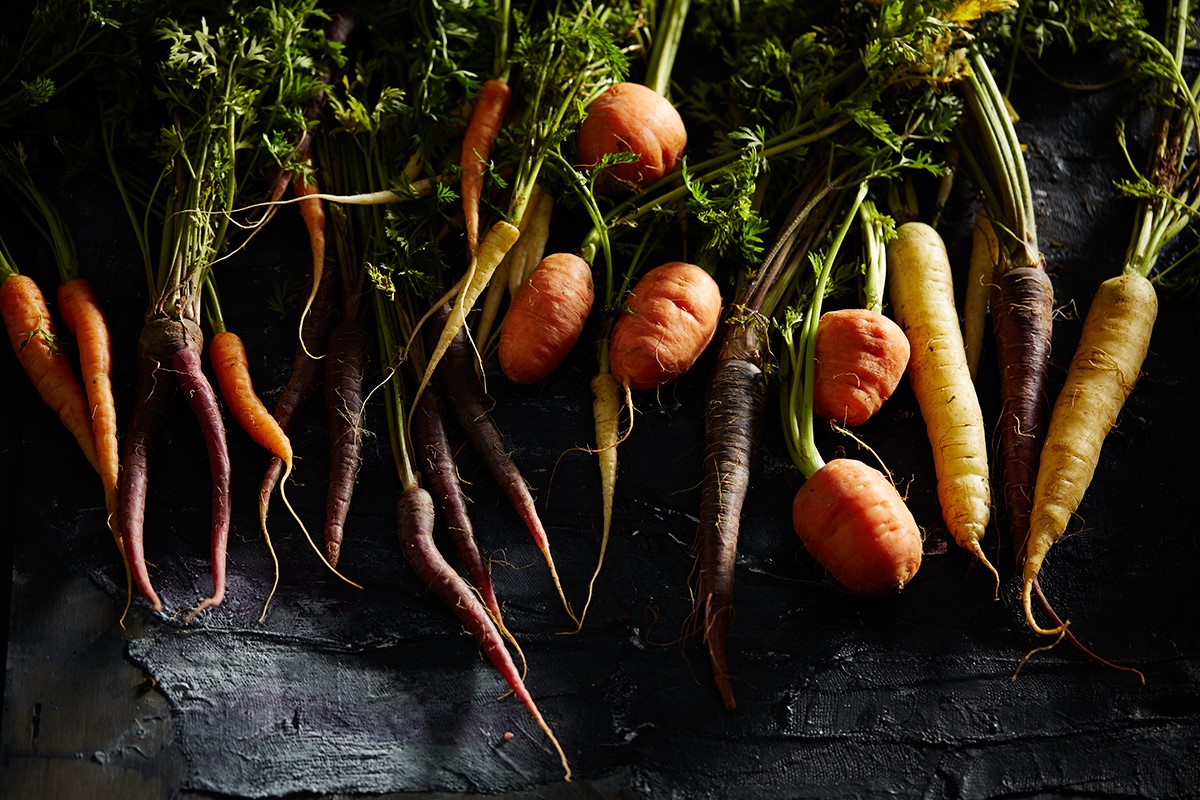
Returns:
<point x="232" y="370"/>
<point x="85" y="320"/>
<point x="31" y="332"/>
<point x="486" y="118"/>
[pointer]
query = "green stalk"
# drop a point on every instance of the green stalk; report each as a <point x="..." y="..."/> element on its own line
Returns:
<point x="800" y="434"/>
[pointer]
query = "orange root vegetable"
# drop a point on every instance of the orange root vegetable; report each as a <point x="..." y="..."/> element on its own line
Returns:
<point x="673" y="314"/>
<point x="1105" y="368"/>
<point x="922" y="293"/>
<point x="231" y="367"/>
<point x="546" y="318"/>
<point x="632" y="118"/>
<point x="856" y="525"/>
<point x="31" y="334"/>
<point x="85" y="320"/>
<point x="860" y="357"/>
<point x="487" y="116"/>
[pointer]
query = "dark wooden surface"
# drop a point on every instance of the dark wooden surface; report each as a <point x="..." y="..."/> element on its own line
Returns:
<point x="839" y="697"/>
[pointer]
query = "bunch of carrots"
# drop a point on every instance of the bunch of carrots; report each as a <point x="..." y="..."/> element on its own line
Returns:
<point x="428" y="151"/>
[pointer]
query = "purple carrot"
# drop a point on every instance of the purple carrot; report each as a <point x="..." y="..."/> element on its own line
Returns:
<point x="154" y="392"/>
<point x="463" y="390"/>
<point x="177" y="342"/>
<point x="441" y="473"/>
<point x="306" y="374"/>
<point x="345" y="371"/>
<point x="737" y="394"/>
<point x="414" y="525"/>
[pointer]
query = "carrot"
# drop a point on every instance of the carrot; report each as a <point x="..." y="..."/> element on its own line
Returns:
<point x="849" y="516"/>
<point x="463" y="390"/>
<point x="499" y="240"/>
<point x="487" y="115"/>
<point x="985" y="252"/>
<point x="85" y="320"/>
<point x="1106" y="365"/>
<point x="32" y="336"/>
<point x="606" y="412"/>
<point x="546" y="318"/>
<point x="232" y="369"/>
<point x="854" y="522"/>
<point x="632" y="118"/>
<point x="922" y="293"/>
<point x="861" y="356"/>
<point x="432" y="445"/>
<point x="304" y="378"/>
<point x="345" y="370"/>
<point x="414" y="524"/>
<point x="736" y="397"/>
<point x="673" y="312"/>
<point x="170" y="349"/>
<point x="151" y="404"/>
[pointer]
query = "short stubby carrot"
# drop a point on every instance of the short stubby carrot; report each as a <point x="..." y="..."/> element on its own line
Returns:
<point x="855" y="524"/>
<point x="546" y="318"/>
<point x="32" y="335"/>
<point x="860" y="357"/>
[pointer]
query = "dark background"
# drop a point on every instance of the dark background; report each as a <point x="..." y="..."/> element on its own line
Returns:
<point x="379" y="693"/>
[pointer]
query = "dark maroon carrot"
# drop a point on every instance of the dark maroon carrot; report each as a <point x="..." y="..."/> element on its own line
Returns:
<point x="737" y="394"/>
<point x="305" y="375"/>
<point x="345" y="371"/>
<point x="154" y="392"/>
<point x="414" y="525"/>
<point x="170" y="354"/>
<point x="433" y="451"/>
<point x="463" y="390"/>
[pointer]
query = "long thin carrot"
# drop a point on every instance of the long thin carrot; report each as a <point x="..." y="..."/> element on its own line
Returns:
<point x="83" y="317"/>
<point x="231" y="367"/>
<point x="487" y="115"/>
<point x="32" y="335"/>
<point x="1103" y="371"/>
<point x="921" y="287"/>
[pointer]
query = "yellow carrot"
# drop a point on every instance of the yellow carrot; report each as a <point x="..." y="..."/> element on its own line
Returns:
<point x="985" y="253"/>
<point x="1103" y="371"/>
<point x="922" y="293"/>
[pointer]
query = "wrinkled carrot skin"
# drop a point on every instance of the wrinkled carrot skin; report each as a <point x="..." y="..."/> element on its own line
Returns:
<point x="673" y="312"/>
<point x="860" y="357"/>
<point x="856" y="525"/>
<point x="546" y="318"/>
<point x="414" y="526"/>
<point x="231" y="366"/>
<point x="24" y="309"/>
<point x="487" y="115"/>
<point x="631" y="117"/>
<point x="736" y="397"/>
<point x="432" y="445"/>
<point x="83" y="317"/>
<point x="155" y="388"/>
<point x="1105" y="368"/>
<point x="345" y="373"/>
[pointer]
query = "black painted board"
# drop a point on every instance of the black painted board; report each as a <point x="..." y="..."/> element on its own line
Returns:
<point x="377" y="692"/>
